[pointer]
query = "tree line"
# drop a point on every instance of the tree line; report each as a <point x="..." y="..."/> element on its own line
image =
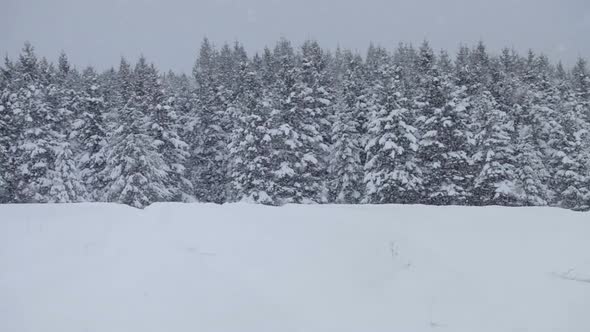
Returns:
<point x="299" y="125"/>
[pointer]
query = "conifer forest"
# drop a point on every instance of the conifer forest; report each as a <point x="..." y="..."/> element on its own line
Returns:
<point x="299" y="124"/>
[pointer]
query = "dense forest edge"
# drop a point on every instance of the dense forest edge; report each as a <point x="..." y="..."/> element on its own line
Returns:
<point x="304" y="124"/>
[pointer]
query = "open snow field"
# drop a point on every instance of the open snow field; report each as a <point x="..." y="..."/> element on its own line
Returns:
<point x="236" y="268"/>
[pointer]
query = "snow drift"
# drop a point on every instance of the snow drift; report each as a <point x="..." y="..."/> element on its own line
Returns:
<point x="198" y="267"/>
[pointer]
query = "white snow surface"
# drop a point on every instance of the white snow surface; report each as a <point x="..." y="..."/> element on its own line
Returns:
<point x="241" y="267"/>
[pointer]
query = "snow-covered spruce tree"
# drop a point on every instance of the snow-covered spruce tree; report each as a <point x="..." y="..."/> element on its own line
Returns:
<point x="534" y="123"/>
<point x="6" y="130"/>
<point x="251" y="171"/>
<point x="4" y="144"/>
<point x="311" y="115"/>
<point x="429" y="98"/>
<point x="228" y="84"/>
<point x="454" y="178"/>
<point x="91" y="133"/>
<point x="405" y="58"/>
<point x="461" y="75"/>
<point x="267" y="68"/>
<point x="31" y="152"/>
<point x="209" y="150"/>
<point x="346" y="167"/>
<point x="571" y="158"/>
<point x="445" y="65"/>
<point x="581" y="79"/>
<point x="4" y="196"/>
<point x="445" y="143"/>
<point x="551" y="134"/>
<point x="479" y="73"/>
<point x="165" y="129"/>
<point x="241" y="68"/>
<point x="17" y="78"/>
<point x="64" y="177"/>
<point x="581" y="92"/>
<point x="184" y="117"/>
<point x="123" y="83"/>
<point x="531" y="175"/>
<point x="495" y="182"/>
<point x="337" y="66"/>
<point x="225" y="81"/>
<point x="135" y="170"/>
<point x="10" y="83"/>
<point x="285" y="140"/>
<point x="392" y="172"/>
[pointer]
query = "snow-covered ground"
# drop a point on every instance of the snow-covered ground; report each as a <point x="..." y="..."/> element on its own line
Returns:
<point x="250" y="268"/>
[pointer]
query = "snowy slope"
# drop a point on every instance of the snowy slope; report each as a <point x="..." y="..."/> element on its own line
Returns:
<point x="206" y="268"/>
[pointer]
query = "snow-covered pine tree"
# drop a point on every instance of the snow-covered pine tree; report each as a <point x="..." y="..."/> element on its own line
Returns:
<point x="250" y="147"/>
<point x="462" y="74"/>
<point x="267" y="68"/>
<point x="572" y="175"/>
<point x="7" y="132"/>
<point x="571" y="157"/>
<point x="226" y="65"/>
<point x="531" y="174"/>
<point x="109" y="82"/>
<point x="31" y="153"/>
<point x="65" y="181"/>
<point x="445" y="65"/>
<point x="124" y="81"/>
<point x="454" y="178"/>
<point x="468" y="67"/>
<point x="405" y="58"/>
<point x="392" y="172"/>
<point x="241" y="69"/>
<point x="135" y="171"/>
<point x="581" y="93"/>
<point x="446" y="140"/>
<point x="495" y="183"/>
<point x="535" y="121"/>
<point x="346" y="167"/>
<point x="581" y="79"/>
<point x="165" y="128"/>
<point x="209" y="149"/>
<point x="312" y="121"/>
<point x="479" y="73"/>
<point x="285" y="140"/>
<point x="4" y="131"/>
<point x="183" y="117"/>
<point x="92" y="134"/>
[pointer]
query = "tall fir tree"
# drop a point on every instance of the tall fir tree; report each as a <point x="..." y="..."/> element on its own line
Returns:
<point x="312" y="115"/>
<point x="64" y="176"/>
<point x="31" y="153"/>
<point x="166" y="130"/>
<point x="572" y="174"/>
<point x="251" y="144"/>
<point x="136" y="172"/>
<point x="91" y="133"/>
<point x="495" y="182"/>
<point x="285" y="139"/>
<point x="346" y="166"/>
<point x="392" y="172"/>
<point x="209" y="150"/>
<point x="445" y="137"/>
<point x="6" y="130"/>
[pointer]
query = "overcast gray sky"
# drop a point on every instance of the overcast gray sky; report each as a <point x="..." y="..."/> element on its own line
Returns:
<point x="168" y="32"/>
